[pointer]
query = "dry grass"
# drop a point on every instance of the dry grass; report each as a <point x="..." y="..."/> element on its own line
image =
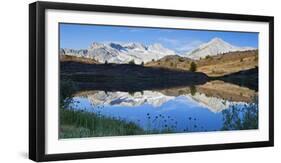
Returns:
<point x="213" y="66"/>
<point x="66" y="58"/>
<point x="171" y="62"/>
<point x="228" y="63"/>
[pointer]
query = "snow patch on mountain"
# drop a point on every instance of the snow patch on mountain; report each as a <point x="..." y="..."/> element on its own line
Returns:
<point x="121" y="53"/>
<point x="214" y="47"/>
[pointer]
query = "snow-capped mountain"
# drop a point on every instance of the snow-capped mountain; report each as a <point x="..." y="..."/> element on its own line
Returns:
<point x="121" y="53"/>
<point x="125" y="52"/>
<point x="214" y="47"/>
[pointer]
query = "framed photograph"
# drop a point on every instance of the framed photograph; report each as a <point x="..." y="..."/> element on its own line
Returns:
<point x="111" y="81"/>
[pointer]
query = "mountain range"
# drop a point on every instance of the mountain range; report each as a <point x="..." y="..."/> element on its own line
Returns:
<point x="140" y="53"/>
<point x="121" y="53"/>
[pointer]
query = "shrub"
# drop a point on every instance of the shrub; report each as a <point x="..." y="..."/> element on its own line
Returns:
<point x="132" y="62"/>
<point x="193" y="67"/>
<point x="208" y="57"/>
<point x="181" y="60"/>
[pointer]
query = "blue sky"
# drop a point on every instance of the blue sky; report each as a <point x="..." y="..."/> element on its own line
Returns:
<point x="78" y="36"/>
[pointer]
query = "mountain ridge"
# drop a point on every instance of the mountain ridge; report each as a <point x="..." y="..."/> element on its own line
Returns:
<point x="120" y="53"/>
<point x="139" y="53"/>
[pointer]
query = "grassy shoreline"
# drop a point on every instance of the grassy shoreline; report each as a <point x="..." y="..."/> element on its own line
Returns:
<point x="78" y="124"/>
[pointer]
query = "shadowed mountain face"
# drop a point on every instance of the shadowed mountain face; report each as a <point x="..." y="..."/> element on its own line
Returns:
<point x="246" y="78"/>
<point x="125" y="77"/>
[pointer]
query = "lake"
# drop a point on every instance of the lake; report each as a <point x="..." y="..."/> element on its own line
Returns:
<point x="213" y="106"/>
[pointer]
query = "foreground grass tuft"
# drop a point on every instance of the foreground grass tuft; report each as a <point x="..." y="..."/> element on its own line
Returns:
<point x="83" y="124"/>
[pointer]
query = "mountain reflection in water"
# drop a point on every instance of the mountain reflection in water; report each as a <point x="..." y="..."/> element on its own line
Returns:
<point x="214" y="106"/>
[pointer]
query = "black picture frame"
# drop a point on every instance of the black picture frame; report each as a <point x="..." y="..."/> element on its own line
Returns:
<point x="37" y="80"/>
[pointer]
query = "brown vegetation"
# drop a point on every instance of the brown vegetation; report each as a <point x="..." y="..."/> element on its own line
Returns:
<point x="227" y="91"/>
<point x="228" y="63"/>
<point x="214" y="66"/>
<point x="67" y="58"/>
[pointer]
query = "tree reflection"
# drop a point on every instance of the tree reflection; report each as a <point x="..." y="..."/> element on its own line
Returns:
<point x="193" y="90"/>
<point x="241" y="117"/>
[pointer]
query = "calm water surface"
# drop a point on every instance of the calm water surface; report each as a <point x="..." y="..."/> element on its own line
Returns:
<point x="176" y="110"/>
